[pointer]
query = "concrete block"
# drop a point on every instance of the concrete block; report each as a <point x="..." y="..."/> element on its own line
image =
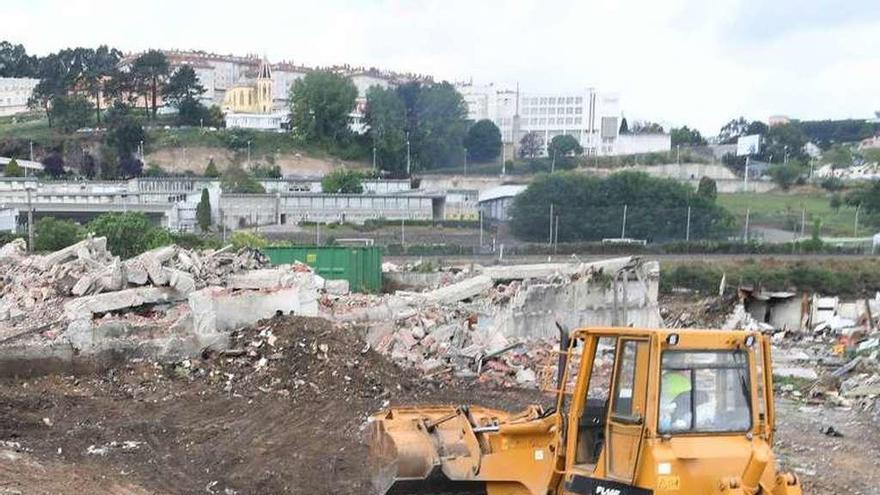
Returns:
<point x="85" y="307"/>
<point x="216" y="310"/>
<point x="181" y="281"/>
<point x="466" y="289"/>
<point x="136" y="272"/>
<point x="337" y="287"/>
<point x="81" y="250"/>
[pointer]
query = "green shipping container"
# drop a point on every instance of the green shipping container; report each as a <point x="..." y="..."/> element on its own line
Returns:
<point x="361" y="266"/>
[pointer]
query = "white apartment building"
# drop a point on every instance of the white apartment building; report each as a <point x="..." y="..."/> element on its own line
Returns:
<point x="14" y="94"/>
<point x="592" y="117"/>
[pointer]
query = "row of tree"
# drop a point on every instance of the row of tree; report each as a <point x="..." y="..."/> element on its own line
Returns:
<point x="577" y="207"/>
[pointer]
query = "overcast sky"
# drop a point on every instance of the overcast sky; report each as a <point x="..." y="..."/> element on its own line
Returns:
<point x="694" y="62"/>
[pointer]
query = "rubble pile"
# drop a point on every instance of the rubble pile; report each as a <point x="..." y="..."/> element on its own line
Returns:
<point x="499" y="324"/>
<point x="301" y="358"/>
<point x="166" y="300"/>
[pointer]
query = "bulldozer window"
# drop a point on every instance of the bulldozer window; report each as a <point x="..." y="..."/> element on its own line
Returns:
<point x="591" y="424"/>
<point x="704" y="391"/>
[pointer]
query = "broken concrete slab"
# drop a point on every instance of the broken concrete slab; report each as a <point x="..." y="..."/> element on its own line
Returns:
<point x="217" y="310"/>
<point x="83" y="249"/>
<point x="266" y="278"/>
<point x="16" y="248"/>
<point x="86" y="307"/>
<point x="337" y="287"/>
<point x="466" y="289"/>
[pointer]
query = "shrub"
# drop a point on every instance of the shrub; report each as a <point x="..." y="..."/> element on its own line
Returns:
<point x="52" y="234"/>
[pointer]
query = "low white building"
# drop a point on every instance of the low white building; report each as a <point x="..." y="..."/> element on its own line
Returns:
<point x="631" y="144"/>
<point x="266" y="122"/>
<point x="14" y="94"/>
<point x="495" y="203"/>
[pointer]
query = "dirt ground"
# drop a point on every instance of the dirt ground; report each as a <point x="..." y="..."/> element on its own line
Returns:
<point x="284" y="413"/>
<point x="290" y="424"/>
<point x="195" y="159"/>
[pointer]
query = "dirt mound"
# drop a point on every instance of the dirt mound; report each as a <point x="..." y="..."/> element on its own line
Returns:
<point x="283" y="412"/>
<point x="301" y="358"/>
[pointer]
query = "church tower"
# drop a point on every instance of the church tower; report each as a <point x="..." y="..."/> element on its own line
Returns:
<point x="264" y="88"/>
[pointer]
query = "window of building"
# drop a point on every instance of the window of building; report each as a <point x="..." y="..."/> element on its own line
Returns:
<point x="569" y="100"/>
<point x="552" y="100"/>
<point x="552" y="110"/>
<point x="579" y="100"/>
<point x="577" y="110"/>
<point x="543" y="101"/>
<point x="552" y="121"/>
<point x="542" y="121"/>
<point x="568" y="120"/>
<point x="577" y="120"/>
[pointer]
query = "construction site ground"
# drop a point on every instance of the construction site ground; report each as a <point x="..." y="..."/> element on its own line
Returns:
<point x="290" y="420"/>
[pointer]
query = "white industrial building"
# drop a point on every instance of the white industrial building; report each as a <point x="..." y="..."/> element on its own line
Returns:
<point x="14" y="94"/>
<point x="591" y="116"/>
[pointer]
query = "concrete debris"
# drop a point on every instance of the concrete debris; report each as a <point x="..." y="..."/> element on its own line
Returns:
<point x="499" y="324"/>
<point x="166" y="301"/>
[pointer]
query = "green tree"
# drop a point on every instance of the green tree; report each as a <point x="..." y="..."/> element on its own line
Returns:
<point x="683" y="136"/>
<point x="52" y="234"/>
<point x="437" y="126"/>
<point x="343" y="181"/>
<point x="191" y="111"/>
<point x="13" y="169"/>
<point x="785" y="175"/>
<point x="871" y="155"/>
<point x="781" y="141"/>
<point x="54" y="165"/>
<point x="624" y="126"/>
<point x="183" y="85"/>
<point x="150" y="70"/>
<point x="656" y="208"/>
<point x="835" y="202"/>
<point x="211" y="169"/>
<point x="385" y="116"/>
<point x="530" y="145"/>
<point x="736" y="128"/>
<point x="246" y="239"/>
<point x="483" y="141"/>
<point x="15" y="62"/>
<point x="564" y="145"/>
<point x="72" y="112"/>
<point x="321" y="104"/>
<point x="236" y="180"/>
<point x="646" y="127"/>
<point x="124" y="132"/>
<point x="130" y="167"/>
<point x="128" y="234"/>
<point x="154" y="170"/>
<point x="707" y="189"/>
<point x="98" y="65"/>
<point x="203" y="211"/>
<point x="839" y="156"/>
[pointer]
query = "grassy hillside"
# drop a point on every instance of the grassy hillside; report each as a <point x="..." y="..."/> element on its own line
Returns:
<point x="782" y="210"/>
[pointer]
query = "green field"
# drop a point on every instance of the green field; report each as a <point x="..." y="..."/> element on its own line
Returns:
<point x="783" y="211"/>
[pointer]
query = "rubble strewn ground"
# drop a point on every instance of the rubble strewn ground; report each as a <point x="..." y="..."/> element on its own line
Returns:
<point x="216" y="387"/>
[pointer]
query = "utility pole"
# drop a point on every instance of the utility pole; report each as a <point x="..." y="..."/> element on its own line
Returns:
<point x="556" y="236"/>
<point x="746" y="231"/>
<point x="623" y="228"/>
<point x="480" y="213"/>
<point x="687" y="229"/>
<point x="408" y="159"/>
<point x="856" y="223"/>
<point x="317" y="233"/>
<point x="30" y="220"/>
<point x="746" y="176"/>
<point x="249" y="154"/>
<point x="374" y="159"/>
<point x="803" y="222"/>
<point x="551" y="224"/>
<point x="553" y="163"/>
<point x="678" y="154"/>
<point x="31" y="143"/>
<point x="402" y="232"/>
<point x="465" y="161"/>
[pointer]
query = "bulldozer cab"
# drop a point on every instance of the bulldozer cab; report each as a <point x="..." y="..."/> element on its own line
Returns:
<point x="655" y="409"/>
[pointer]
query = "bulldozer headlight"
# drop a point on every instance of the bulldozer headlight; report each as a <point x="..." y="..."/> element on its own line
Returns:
<point x="672" y="339"/>
<point x="750" y="340"/>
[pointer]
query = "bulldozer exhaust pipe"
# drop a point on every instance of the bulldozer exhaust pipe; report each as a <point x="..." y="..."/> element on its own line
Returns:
<point x="564" y="342"/>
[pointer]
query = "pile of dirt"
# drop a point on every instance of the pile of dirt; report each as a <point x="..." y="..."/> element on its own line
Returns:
<point x="283" y="412"/>
<point x="304" y="359"/>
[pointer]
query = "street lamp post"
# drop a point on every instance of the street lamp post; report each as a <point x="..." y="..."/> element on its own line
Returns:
<point x="249" y="153"/>
<point x="465" y="161"/>
<point x="408" y="160"/>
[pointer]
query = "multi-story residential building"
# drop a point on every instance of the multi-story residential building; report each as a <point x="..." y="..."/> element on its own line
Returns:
<point x="14" y="94"/>
<point x="222" y="74"/>
<point x="591" y="116"/>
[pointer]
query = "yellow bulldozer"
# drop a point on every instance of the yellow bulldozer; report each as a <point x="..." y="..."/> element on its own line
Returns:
<point x="637" y="412"/>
